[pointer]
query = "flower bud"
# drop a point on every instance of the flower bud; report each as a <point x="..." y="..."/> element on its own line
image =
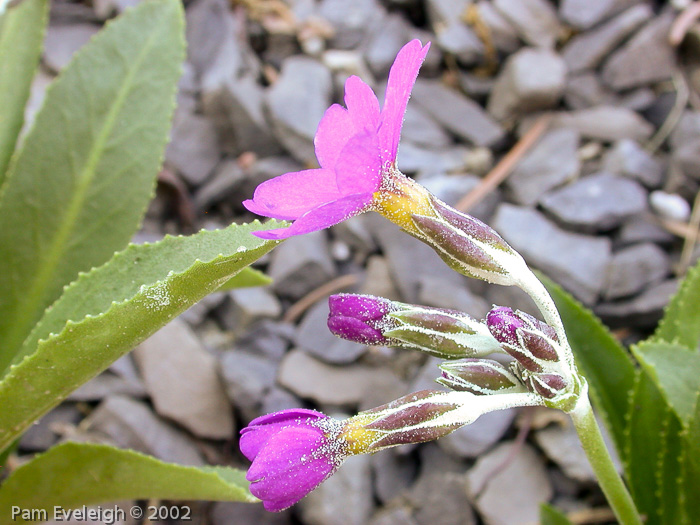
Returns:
<point x="359" y="318"/>
<point x="526" y="338"/>
<point x="479" y="376"/>
<point x="443" y="333"/>
<point x="547" y="385"/>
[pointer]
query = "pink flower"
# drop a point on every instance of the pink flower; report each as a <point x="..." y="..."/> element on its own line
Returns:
<point x="356" y="149"/>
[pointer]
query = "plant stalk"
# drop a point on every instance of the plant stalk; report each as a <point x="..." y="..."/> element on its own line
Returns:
<point x="610" y="481"/>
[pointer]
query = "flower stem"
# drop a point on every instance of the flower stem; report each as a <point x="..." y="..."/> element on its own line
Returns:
<point x="603" y="466"/>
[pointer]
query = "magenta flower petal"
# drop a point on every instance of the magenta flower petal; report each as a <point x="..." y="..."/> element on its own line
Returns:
<point x="358" y="169"/>
<point x="291" y="195"/>
<point x="322" y="217"/>
<point x="287" y="469"/>
<point x="402" y="76"/>
<point x="362" y="104"/>
<point x="261" y="429"/>
<point x="332" y="134"/>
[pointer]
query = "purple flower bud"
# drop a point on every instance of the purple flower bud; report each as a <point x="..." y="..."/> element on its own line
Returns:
<point x="359" y="318"/>
<point x="458" y="250"/>
<point x="523" y="336"/>
<point x="479" y="376"/>
<point x="548" y="385"/>
<point x="471" y="226"/>
<point x="292" y="452"/>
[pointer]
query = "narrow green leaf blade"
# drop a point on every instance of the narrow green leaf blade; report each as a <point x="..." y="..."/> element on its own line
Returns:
<point x="74" y="474"/>
<point x="550" y="515"/>
<point x="246" y="278"/>
<point x="106" y="312"/>
<point x="676" y="371"/>
<point x="690" y="479"/>
<point x="681" y="321"/>
<point x="21" y="35"/>
<point x="606" y="365"/>
<point x="81" y="181"/>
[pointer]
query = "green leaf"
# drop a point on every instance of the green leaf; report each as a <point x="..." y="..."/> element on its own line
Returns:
<point x="74" y="474"/>
<point x="78" y="186"/>
<point x="676" y="371"/>
<point x="21" y="37"/>
<point x="108" y="311"/>
<point x="246" y="278"/>
<point x="606" y="365"/>
<point x="681" y="321"/>
<point x="690" y="460"/>
<point x="550" y="515"/>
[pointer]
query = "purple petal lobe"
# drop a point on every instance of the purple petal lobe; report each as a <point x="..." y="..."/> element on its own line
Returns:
<point x="322" y="217"/>
<point x="355" y="330"/>
<point x="332" y="134"/>
<point x="261" y="429"/>
<point x="503" y="324"/>
<point x="401" y="79"/>
<point x="362" y="105"/>
<point x="363" y="307"/>
<point x="291" y="195"/>
<point x="358" y="169"/>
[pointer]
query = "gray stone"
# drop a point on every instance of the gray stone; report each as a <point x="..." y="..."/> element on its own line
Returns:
<point x="393" y="516"/>
<point x="686" y="158"/>
<point x="642" y="311"/>
<point x="628" y="158"/>
<point x="350" y="20"/>
<point x="635" y="268"/>
<point x="301" y="264"/>
<point x="193" y="149"/>
<point x="475" y="439"/>
<point x="343" y="499"/>
<point x="393" y="474"/>
<point x="461" y="116"/>
<point x="62" y="41"/>
<point x="120" y="379"/>
<point x="196" y="313"/>
<point x="314" y="337"/>
<point x="606" y="123"/>
<point x="583" y="14"/>
<point x="531" y="80"/>
<point x="550" y="163"/>
<point x="647" y="57"/>
<point x="643" y="228"/>
<point x="585" y="90"/>
<point x="407" y="271"/>
<point x="217" y="42"/>
<point x="426" y="376"/>
<point x="235" y="105"/>
<point x="247" y="378"/>
<point x="243" y="513"/>
<point x="245" y="306"/>
<point x="575" y="261"/>
<point x="386" y="42"/>
<point x="309" y="378"/>
<point x="227" y="177"/>
<point x="42" y="435"/>
<point x="562" y="445"/>
<point x="686" y="131"/>
<point x="267" y="337"/>
<point x="296" y="103"/>
<point x="670" y="206"/>
<point x="354" y="233"/>
<point x="503" y="34"/>
<point x="440" y="499"/>
<point x="378" y="280"/>
<point x="105" y="9"/>
<point x="131" y="424"/>
<point x="446" y="11"/>
<point x="513" y="297"/>
<point x="597" y="202"/>
<point x="523" y="479"/>
<point x="460" y="40"/>
<point x="420" y="129"/>
<point x="587" y="50"/>
<point x="279" y="399"/>
<point x="183" y="381"/>
<point x="535" y="20"/>
<point x="441" y="293"/>
<point x="415" y="159"/>
<point x="451" y="188"/>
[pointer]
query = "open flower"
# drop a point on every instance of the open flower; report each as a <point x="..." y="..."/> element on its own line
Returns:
<point x="356" y="149"/>
<point x="292" y="452"/>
